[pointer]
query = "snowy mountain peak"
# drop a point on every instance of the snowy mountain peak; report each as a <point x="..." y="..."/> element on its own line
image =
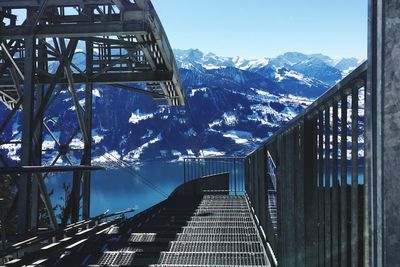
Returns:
<point x="287" y="60"/>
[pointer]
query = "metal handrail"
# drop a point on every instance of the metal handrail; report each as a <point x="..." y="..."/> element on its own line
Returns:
<point x="305" y="177"/>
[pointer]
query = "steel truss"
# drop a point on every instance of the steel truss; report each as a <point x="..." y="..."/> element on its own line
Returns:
<point x="123" y="43"/>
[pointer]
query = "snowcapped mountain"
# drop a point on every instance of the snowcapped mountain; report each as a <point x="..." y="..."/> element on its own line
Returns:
<point x="233" y="104"/>
<point x="304" y="75"/>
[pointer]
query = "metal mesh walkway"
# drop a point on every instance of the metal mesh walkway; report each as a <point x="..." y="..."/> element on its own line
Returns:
<point x="212" y="230"/>
<point x="221" y="233"/>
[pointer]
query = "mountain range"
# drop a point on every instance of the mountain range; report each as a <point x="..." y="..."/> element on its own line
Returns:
<point x="232" y="105"/>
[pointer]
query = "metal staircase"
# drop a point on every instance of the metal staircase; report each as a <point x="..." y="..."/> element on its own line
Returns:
<point x="221" y="233"/>
<point x="211" y="230"/>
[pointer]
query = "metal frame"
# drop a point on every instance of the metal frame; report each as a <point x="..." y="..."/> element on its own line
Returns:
<point x="124" y="43"/>
<point x="382" y="131"/>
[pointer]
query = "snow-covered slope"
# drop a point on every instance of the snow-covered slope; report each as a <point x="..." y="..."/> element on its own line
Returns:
<point x="233" y="104"/>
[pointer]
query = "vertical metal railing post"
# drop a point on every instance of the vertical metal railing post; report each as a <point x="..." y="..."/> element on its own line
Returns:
<point x="234" y="174"/>
<point x="321" y="202"/>
<point x="290" y="157"/>
<point x="335" y="185"/>
<point x="299" y="184"/>
<point x="354" y="180"/>
<point x="311" y="192"/>
<point x="279" y="174"/>
<point x="184" y="171"/>
<point x="327" y="189"/>
<point x="343" y="184"/>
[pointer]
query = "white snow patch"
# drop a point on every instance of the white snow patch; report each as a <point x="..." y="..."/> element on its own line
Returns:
<point x="211" y="152"/>
<point x="137" y="117"/>
<point x="212" y="67"/>
<point x="295" y="75"/>
<point x="98" y="138"/>
<point x="48" y="144"/>
<point x="96" y="93"/>
<point x="240" y="137"/>
<point x="77" y="144"/>
<point x="12" y="151"/>
<point x="81" y="103"/>
<point x="107" y="157"/>
<point x="256" y="64"/>
<point x="135" y="154"/>
<point x="194" y="91"/>
<point x="230" y="119"/>
<point x="215" y="123"/>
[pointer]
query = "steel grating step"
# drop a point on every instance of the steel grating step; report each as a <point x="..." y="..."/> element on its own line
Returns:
<point x="217" y="209"/>
<point x="212" y="207"/>
<point x="228" y="201"/>
<point x="143" y="237"/>
<point x="229" y="207"/>
<point x="137" y="247"/>
<point x="193" y="265"/>
<point x="219" y="231"/>
<point x="116" y="259"/>
<point x="218" y="204"/>
<point x="223" y="197"/>
<point x="217" y="238"/>
<point x="220" y="220"/>
<point x="251" y="247"/>
<point x="222" y="215"/>
<point x="216" y="259"/>
<point x="210" y="231"/>
<point x="227" y="223"/>
<point x="223" y="202"/>
<point x="231" y="212"/>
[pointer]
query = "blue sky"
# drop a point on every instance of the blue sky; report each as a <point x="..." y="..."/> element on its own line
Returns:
<point x="267" y="28"/>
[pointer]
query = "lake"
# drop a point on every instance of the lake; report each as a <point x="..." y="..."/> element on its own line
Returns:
<point x="117" y="190"/>
<point x="121" y="189"/>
